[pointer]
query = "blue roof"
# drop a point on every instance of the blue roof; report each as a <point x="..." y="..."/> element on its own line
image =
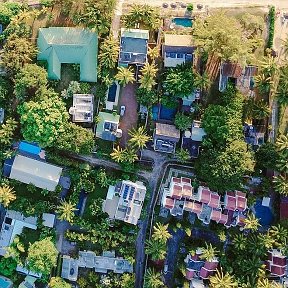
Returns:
<point x="29" y="148"/>
<point x="195" y="265"/>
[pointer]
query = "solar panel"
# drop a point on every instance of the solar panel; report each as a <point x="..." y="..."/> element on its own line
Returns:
<point x="131" y="193"/>
<point x="125" y="193"/>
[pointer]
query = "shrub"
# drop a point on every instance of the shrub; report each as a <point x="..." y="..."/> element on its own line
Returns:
<point x="271" y="27"/>
<point x="190" y="7"/>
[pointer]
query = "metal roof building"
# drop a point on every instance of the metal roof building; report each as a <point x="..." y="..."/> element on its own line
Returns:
<point x="59" y="45"/>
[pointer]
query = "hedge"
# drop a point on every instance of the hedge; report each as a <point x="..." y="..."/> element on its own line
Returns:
<point x="271" y="27"/>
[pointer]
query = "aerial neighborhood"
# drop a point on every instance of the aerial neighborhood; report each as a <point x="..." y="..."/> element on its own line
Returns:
<point x="143" y="144"/>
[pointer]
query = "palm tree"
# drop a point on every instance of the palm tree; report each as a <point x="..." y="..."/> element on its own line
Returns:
<point x="7" y="130"/>
<point x="251" y="222"/>
<point x="202" y="82"/>
<point x="118" y="154"/>
<point x="260" y="110"/>
<point x="160" y="232"/>
<point x="182" y="155"/>
<point x="268" y="66"/>
<point x="278" y="233"/>
<point x="66" y="211"/>
<point x="222" y="236"/>
<point x="240" y="242"/>
<point x="125" y="76"/>
<point x="263" y="83"/>
<point x="156" y="249"/>
<point x="265" y="283"/>
<point x="153" y="53"/>
<point x="281" y="185"/>
<point x="139" y="137"/>
<point x="130" y="155"/>
<point x="221" y="280"/>
<point x="108" y="53"/>
<point x="147" y="77"/>
<point x="282" y="143"/>
<point x="208" y="253"/>
<point x="7" y="195"/>
<point x="282" y="163"/>
<point x="152" y="279"/>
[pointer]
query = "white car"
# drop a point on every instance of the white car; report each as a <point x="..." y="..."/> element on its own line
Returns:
<point x="122" y="110"/>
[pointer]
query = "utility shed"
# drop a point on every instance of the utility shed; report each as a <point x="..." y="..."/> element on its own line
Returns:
<point x="59" y="45"/>
<point x="39" y="173"/>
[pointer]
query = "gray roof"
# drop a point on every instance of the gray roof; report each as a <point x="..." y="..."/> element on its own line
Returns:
<point x="69" y="268"/>
<point x="167" y="130"/>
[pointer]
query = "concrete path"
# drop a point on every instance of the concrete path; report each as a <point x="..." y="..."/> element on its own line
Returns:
<point x="116" y="22"/>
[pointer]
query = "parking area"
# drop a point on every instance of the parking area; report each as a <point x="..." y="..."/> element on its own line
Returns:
<point x="130" y="117"/>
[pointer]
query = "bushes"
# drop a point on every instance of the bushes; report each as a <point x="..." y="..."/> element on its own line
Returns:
<point x="190" y="7"/>
<point x="271" y="27"/>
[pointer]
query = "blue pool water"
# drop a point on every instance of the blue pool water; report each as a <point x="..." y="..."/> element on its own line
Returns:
<point x="29" y="148"/>
<point x="185" y="22"/>
<point x="112" y="92"/>
<point x="263" y="213"/>
<point x="167" y="113"/>
<point x="4" y="283"/>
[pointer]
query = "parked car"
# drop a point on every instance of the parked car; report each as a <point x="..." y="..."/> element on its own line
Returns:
<point x="122" y="110"/>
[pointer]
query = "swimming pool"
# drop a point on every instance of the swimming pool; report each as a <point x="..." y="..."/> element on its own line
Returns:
<point x="185" y="22"/>
<point x="167" y="113"/>
<point x="263" y="213"/>
<point x="5" y="282"/>
<point x="112" y="92"/>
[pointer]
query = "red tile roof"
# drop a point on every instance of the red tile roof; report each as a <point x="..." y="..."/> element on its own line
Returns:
<point x="277" y="270"/>
<point x="169" y="203"/>
<point x="241" y="194"/>
<point x="186" y="180"/>
<point x="211" y="266"/>
<point x="230" y="202"/>
<point x="187" y="191"/>
<point x="216" y="215"/>
<point x="241" y="203"/>
<point x="189" y="274"/>
<point x="233" y="70"/>
<point x="176" y="180"/>
<point x="205" y="274"/>
<point x="223" y="219"/>
<point x="205" y="196"/>
<point x="270" y="255"/>
<point x="176" y="191"/>
<point x="214" y="200"/>
<point x="279" y="260"/>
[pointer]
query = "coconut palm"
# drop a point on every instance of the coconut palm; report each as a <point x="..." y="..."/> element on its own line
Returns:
<point x="268" y="66"/>
<point x="153" y="53"/>
<point x="130" y="155"/>
<point x="152" y="279"/>
<point x="118" y="154"/>
<point x="278" y="233"/>
<point x="66" y="211"/>
<point x="282" y="143"/>
<point x="182" y="155"/>
<point x="125" y="76"/>
<point x="222" y="236"/>
<point x="156" y="249"/>
<point x="265" y="283"/>
<point x="139" y="137"/>
<point x="263" y="83"/>
<point x="239" y="242"/>
<point x="282" y="163"/>
<point x="7" y="195"/>
<point x="147" y="77"/>
<point x="281" y="185"/>
<point x="108" y="53"/>
<point x="160" y="232"/>
<point x="251" y="222"/>
<point x="221" y="280"/>
<point x="209" y="252"/>
<point x="202" y="82"/>
<point x="260" y="110"/>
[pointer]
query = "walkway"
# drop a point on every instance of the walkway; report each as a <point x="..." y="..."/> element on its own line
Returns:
<point x="116" y="22"/>
<point x="130" y="118"/>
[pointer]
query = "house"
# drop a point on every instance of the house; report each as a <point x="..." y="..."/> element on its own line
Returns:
<point x="48" y="220"/>
<point x="165" y="137"/>
<point x="254" y="134"/>
<point x="5" y="282"/>
<point x="133" y="47"/>
<point x="28" y="170"/>
<point x="29" y="282"/>
<point x="192" y="140"/>
<point x="124" y="201"/>
<point x="13" y="225"/>
<point x="58" y="45"/>
<point x="239" y="76"/>
<point x="197" y="268"/>
<point x="108" y="126"/>
<point x="177" y="49"/>
<point x="100" y="264"/>
<point x="276" y="263"/>
<point x="112" y="96"/>
<point x="83" y="108"/>
<point x="206" y="204"/>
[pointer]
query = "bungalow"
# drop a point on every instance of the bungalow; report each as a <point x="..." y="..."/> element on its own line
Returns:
<point x="58" y="45"/>
<point x="100" y="264"/>
<point x="177" y="49"/>
<point x="124" y="201"/>
<point x="276" y="263"/>
<point x="207" y="205"/>
<point x="133" y="47"/>
<point x="240" y="77"/>
<point x="83" y="108"/>
<point x="165" y="138"/>
<point x="192" y="140"/>
<point x="197" y="268"/>
<point x="108" y="126"/>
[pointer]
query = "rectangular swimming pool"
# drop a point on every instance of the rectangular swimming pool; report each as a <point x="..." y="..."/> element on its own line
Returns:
<point x="181" y="21"/>
<point x="29" y="148"/>
<point x="5" y="283"/>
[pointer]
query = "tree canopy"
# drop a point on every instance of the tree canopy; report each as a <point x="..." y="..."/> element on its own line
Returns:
<point x="42" y="256"/>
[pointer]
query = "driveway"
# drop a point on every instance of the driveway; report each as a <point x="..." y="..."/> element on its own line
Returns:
<point x="129" y="120"/>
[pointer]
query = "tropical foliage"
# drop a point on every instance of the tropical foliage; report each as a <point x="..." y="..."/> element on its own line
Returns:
<point x="66" y="211"/>
<point x="139" y="137"/>
<point x="152" y="279"/>
<point x="125" y="76"/>
<point x="7" y="195"/>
